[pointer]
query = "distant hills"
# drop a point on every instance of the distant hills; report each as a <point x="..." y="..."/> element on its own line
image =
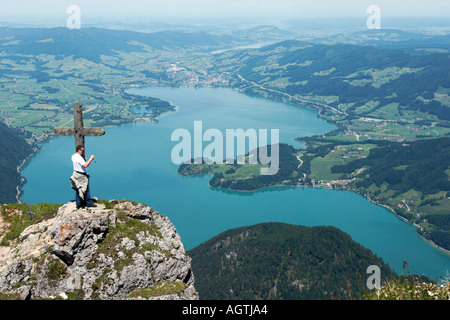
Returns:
<point x="355" y="74"/>
<point x="392" y="39"/>
<point x="282" y="261"/>
<point x="91" y="43"/>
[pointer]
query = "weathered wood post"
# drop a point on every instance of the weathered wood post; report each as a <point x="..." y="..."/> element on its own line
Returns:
<point x="78" y="130"/>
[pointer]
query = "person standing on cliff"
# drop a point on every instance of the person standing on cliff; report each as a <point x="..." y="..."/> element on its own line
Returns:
<point x="80" y="178"/>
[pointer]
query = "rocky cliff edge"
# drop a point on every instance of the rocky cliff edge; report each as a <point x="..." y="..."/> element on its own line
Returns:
<point x="118" y="250"/>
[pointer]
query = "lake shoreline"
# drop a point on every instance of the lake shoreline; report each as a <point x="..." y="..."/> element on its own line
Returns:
<point x="365" y="197"/>
<point x="20" y="168"/>
<point x="177" y="108"/>
<point x="182" y="121"/>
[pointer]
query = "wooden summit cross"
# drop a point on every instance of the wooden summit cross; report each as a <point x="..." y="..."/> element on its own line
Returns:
<point x="78" y="130"/>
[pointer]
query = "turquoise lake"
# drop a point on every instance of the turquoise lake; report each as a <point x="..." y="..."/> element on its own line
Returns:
<point x="134" y="162"/>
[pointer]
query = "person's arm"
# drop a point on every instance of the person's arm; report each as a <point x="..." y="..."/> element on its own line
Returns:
<point x="87" y="163"/>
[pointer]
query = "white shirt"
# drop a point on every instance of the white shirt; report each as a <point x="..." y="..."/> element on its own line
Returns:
<point x="78" y="163"/>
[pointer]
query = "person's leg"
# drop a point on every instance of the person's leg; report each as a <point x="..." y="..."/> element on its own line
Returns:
<point x="77" y="199"/>
<point x="88" y="199"/>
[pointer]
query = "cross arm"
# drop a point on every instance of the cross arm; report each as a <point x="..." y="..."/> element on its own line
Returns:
<point x="92" y="131"/>
<point x="85" y="131"/>
<point x="64" y="131"/>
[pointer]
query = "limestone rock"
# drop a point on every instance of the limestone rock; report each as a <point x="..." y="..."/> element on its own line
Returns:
<point x="127" y="252"/>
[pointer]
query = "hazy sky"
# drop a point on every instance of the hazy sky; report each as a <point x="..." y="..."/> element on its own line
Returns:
<point x="226" y="8"/>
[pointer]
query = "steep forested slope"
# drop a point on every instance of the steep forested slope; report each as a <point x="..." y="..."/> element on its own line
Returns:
<point x="281" y="261"/>
<point x="13" y="150"/>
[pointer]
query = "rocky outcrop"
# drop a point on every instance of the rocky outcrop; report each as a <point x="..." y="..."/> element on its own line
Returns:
<point x="118" y="250"/>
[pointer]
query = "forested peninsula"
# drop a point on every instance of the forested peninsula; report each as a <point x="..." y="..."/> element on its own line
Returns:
<point x="400" y="176"/>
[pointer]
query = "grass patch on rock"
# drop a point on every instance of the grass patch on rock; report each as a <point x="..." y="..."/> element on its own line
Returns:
<point x="159" y="289"/>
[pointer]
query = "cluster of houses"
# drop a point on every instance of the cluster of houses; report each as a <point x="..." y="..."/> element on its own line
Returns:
<point x="350" y="152"/>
